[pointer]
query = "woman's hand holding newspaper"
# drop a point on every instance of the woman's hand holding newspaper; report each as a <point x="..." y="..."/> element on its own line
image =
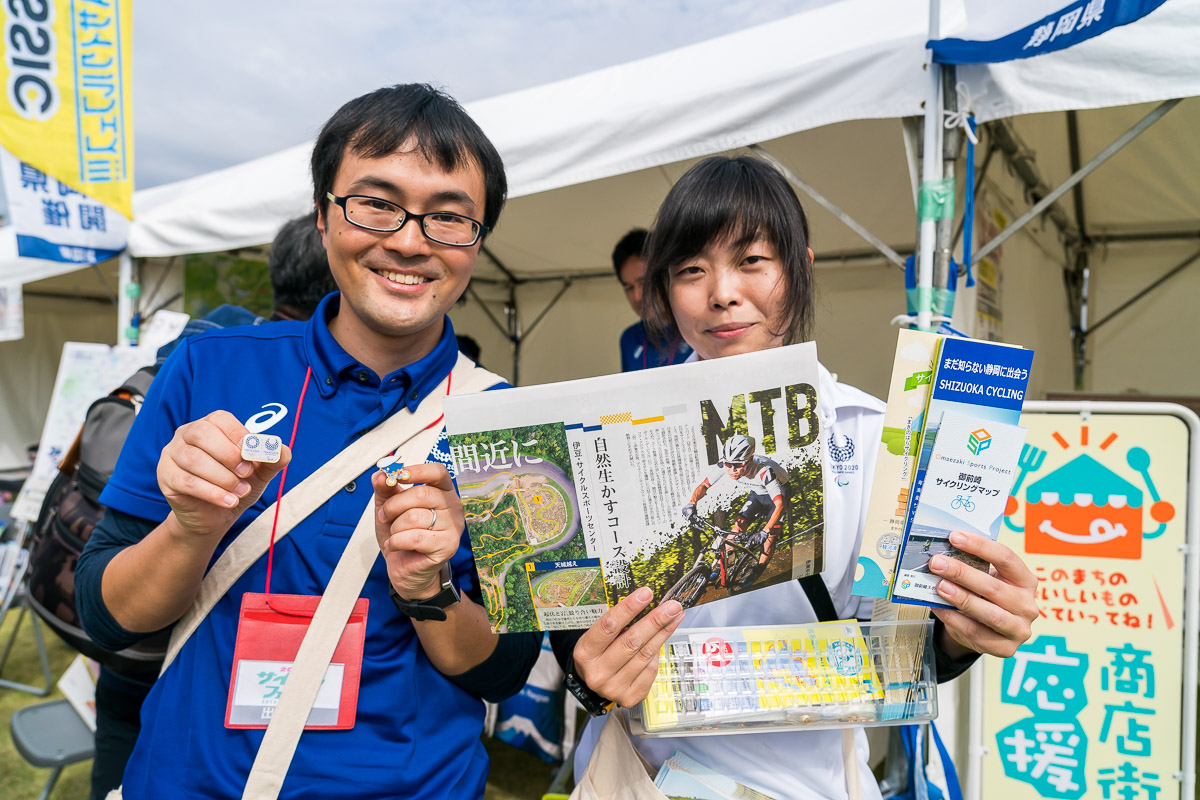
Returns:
<point x="619" y="660"/>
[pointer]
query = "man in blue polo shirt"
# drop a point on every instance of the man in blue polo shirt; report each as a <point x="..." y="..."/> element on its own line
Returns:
<point x="405" y="185"/>
<point x="629" y="262"/>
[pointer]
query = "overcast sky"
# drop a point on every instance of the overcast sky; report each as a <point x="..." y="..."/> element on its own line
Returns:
<point x="220" y="82"/>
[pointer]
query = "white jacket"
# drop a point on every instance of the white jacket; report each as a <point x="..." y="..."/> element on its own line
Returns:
<point x="804" y="764"/>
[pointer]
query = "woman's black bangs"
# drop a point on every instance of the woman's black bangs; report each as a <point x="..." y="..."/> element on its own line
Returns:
<point x="726" y="204"/>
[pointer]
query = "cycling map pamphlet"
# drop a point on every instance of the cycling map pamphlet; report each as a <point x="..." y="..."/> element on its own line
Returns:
<point x="966" y="488"/>
<point x="978" y="379"/>
<point x="699" y="480"/>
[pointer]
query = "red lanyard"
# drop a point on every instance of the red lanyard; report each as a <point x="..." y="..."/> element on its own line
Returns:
<point x="291" y="445"/>
<point x="283" y="477"/>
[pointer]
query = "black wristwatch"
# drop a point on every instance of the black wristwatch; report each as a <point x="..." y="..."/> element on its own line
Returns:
<point x="593" y="703"/>
<point x="431" y="608"/>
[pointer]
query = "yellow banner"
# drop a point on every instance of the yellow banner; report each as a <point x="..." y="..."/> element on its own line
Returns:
<point x="1091" y="705"/>
<point x="67" y="107"/>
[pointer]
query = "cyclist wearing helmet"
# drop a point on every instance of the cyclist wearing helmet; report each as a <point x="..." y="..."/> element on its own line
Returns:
<point x="758" y="475"/>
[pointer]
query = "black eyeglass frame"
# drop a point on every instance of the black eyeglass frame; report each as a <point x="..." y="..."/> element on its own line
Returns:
<point x="480" y="232"/>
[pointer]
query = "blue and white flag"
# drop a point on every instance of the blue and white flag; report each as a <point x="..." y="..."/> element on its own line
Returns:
<point x="999" y="32"/>
<point x="54" y="222"/>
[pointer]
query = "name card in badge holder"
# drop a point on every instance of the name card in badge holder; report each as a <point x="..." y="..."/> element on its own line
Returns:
<point x="270" y="630"/>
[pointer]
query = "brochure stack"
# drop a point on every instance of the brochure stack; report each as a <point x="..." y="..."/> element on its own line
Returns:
<point x="970" y="445"/>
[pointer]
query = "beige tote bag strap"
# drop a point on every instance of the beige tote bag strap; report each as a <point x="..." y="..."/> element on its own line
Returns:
<point x="312" y="493"/>
<point x="616" y="771"/>
<point x="308" y="671"/>
<point x="850" y="763"/>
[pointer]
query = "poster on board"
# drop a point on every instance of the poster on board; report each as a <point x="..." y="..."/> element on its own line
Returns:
<point x="1091" y="706"/>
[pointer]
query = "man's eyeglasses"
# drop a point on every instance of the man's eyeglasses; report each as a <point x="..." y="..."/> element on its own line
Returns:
<point x="375" y="214"/>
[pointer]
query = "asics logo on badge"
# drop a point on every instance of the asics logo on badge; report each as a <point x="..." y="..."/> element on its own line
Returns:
<point x="840" y="452"/>
<point x="263" y="420"/>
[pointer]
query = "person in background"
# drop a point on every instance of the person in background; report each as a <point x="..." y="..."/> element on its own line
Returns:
<point x="300" y="277"/>
<point x="629" y="262"/>
<point x="469" y="347"/>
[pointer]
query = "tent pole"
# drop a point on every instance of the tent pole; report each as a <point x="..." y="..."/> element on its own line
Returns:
<point x="1187" y="262"/>
<point x="944" y="227"/>
<point x="847" y="220"/>
<point x="1079" y="278"/>
<point x="499" y="325"/>
<point x="553" y="302"/>
<point x="499" y="264"/>
<point x="126" y="299"/>
<point x="514" y="331"/>
<point x="931" y="169"/>
<point x="1081" y="356"/>
<point x="1087" y="169"/>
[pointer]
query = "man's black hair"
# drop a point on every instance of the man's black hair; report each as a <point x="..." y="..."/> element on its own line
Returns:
<point x="300" y="272"/>
<point x="413" y="114"/>
<point x="729" y="199"/>
<point x="631" y="244"/>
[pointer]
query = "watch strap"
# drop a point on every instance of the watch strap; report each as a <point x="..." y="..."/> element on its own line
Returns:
<point x="593" y="702"/>
<point x="431" y="608"/>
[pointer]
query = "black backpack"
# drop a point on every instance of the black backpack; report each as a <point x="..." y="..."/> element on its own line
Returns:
<point x="69" y="514"/>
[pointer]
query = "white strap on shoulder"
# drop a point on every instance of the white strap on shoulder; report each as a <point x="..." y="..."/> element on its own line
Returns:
<point x="312" y="493"/>
<point x="274" y="755"/>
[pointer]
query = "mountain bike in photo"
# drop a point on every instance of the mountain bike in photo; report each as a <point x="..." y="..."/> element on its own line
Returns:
<point x="730" y="562"/>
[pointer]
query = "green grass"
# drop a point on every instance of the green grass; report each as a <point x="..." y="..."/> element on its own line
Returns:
<point x="515" y="774"/>
<point x="19" y="780"/>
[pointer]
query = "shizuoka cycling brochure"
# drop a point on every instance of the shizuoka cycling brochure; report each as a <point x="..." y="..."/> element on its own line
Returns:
<point x="966" y="488"/>
<point x="699" y="480"/>
<point x="983" y="383"/>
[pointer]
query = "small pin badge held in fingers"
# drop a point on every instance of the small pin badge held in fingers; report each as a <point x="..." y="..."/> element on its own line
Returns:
<point x="391" y="466"/>
<point x="261" y="447"/>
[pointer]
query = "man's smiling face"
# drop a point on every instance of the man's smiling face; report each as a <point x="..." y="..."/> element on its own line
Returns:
<point x="399" y="285"/>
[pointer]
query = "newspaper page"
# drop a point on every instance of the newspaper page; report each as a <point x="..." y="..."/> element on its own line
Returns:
<point x="575" y="492"/>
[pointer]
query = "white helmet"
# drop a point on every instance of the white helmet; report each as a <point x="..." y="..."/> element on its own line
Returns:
<point x="737" y="449"/>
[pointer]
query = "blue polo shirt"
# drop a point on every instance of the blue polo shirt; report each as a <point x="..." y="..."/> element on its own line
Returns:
<point x="417" y="734"/>
<point x="637" y="352"/>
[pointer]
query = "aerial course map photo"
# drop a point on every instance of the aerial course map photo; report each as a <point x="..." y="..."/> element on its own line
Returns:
<point x="519" y="499"/>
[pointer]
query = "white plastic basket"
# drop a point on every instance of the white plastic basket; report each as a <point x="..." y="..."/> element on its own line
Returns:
<point x="797" y="677"/>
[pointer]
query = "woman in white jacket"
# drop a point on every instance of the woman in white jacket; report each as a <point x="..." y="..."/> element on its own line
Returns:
<point x="730" y="271"/>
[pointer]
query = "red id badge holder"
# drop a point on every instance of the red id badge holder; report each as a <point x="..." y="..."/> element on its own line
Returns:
<point x="270" y="630"/>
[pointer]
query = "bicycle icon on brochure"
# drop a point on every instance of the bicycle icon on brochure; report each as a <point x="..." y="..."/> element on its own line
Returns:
<point x="963" y="503"/>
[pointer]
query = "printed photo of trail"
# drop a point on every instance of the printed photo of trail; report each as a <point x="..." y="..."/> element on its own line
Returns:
<point x="518" y="494"/>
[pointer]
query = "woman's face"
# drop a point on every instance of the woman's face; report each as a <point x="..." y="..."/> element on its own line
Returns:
<point x="727" y="302"/>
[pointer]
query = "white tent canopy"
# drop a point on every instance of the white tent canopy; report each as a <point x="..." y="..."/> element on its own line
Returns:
<point x="838" y="61"/>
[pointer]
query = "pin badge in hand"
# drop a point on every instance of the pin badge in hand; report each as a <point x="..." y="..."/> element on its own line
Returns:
<point x="261" y="447"/>
<point x="391" y="466"/>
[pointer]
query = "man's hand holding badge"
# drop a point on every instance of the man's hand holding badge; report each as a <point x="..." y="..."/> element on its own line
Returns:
<point x="208" y="484"/>
<point x="206" y="475"/>
<point x="419" y="528"/>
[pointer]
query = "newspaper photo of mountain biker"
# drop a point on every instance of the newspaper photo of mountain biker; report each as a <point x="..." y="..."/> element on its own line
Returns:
<point x="572" y="491"/>
<point x="740" y="513"/>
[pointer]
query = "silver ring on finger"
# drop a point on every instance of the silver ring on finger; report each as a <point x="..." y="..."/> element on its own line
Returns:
<point x="433" y="521"/>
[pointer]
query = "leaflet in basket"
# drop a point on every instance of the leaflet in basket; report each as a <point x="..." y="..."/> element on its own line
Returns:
<point x="700" y="481"/>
